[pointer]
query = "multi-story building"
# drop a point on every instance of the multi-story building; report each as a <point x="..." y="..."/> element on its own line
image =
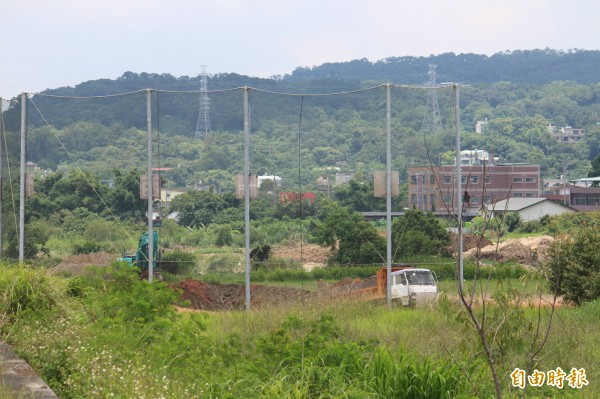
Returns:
<point x="433" y="188"/>
<point x="567" y="135"/>
<point x="577" y="197"/>
<point x="480" y="126"/>
<point x="474" y="157"/>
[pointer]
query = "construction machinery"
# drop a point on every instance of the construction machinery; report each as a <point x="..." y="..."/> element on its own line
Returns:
<point x="410" y="286"/>
<point x="140" y="258"/>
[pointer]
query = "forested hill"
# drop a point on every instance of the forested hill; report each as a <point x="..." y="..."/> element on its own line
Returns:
<point x="341" y="130"/>
<point x="527" y="66"/>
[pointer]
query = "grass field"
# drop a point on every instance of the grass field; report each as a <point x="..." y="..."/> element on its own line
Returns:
<point x="112" y="335"/>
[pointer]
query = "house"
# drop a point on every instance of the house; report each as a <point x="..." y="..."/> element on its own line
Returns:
<point x="528" y="208"/>
<point x="567" y="134"/>
<point x="166" y="195"/>
<point x="480" y="126"/>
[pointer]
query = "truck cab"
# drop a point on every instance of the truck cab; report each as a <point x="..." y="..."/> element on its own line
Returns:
<point x="413" y="286"/>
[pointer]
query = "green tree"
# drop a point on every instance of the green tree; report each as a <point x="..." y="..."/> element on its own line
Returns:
<point x="124" y="198"/>
<point x="359" y="197"/>
<point x="595" y="172"/>
<point x="197" y="208"/>
<point x="355" y="240"/>
<point x="417" y="233"/>
<point x="574" y="266"/>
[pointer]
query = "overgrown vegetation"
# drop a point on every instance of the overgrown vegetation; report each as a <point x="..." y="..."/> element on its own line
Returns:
<point x="110" y="334"/>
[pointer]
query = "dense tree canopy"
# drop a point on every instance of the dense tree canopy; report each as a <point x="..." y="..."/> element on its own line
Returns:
<point x="418" y="233"/>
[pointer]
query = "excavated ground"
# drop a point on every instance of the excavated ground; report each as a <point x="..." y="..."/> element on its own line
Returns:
<point x="218" y="297"/>
<point x="221" y="297"/>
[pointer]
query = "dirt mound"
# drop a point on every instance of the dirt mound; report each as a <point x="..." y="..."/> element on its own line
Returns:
<point x="307" y="253"/>
<point x="76" y="264"/>
<point x="470" y="241"/>
<point x="527" y="251"/>
<point x="219" y="297"/>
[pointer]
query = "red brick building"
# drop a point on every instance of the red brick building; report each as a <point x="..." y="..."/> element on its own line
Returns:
<point x="433" y="188"/>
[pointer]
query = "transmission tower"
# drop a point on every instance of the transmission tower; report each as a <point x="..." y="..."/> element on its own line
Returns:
<point x="432" y="121"/>
<point x="203" y="124"/>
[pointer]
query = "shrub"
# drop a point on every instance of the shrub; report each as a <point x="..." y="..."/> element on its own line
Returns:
<point x="178" y="262"/>
<point x="87" y="247"/>
<point x="223" y="236"/>
<point x="574" y="266"/>
<point x="419" y="233"/>
<point x="512" y="221"/>
<point x="26" y="288"/>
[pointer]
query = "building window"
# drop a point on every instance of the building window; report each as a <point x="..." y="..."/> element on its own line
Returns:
<point x="432" y="199"/>
<point x="488" y="179"/>
<point x="593" y="201"/>
<point x="474" y="200"/>
<point x="447" y="179"/>
<point x="517" y="195"/>
<point x="432" y="179"/>
<point x="528" y="195"/>
<point x="517" y="180"/>
<point x="530" y="180"/>
<point x="580" y="201"/>
<point x="447" y="199"/>
<point x="413" y="199"/>
<point x="413" y="179"/>
<point x="487" y="199"/>
<point x="474" y="179"/>
<point x="463" y="179"/>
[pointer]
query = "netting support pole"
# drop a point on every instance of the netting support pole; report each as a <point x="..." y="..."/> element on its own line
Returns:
<point x="150" y="197"/>
<point x="459" y="194"/>
<point x="388" y="196"/>
<point x="247" y="191"/>
<point x="22" y="177"/>
<point x="1" y="182"/>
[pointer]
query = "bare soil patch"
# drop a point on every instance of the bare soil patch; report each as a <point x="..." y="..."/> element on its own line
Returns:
<point x="527" y="250"/>
<point x="221" y="297"/>
<point x="311" y="255"/>
<point x="76" y="264"/>
<point x="470" y="241"/>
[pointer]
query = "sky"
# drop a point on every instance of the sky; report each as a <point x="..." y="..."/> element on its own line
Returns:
<point x="55" y="43"/>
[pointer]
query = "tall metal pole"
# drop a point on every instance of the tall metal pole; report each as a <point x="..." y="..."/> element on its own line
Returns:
<point x="388" y="198"/>
<point x="459" y="194"/>
<point x="1" y="182"/>
<point x="247" y="192"/>
<point x="22" y="177"/>
<point x="150" y="208"/>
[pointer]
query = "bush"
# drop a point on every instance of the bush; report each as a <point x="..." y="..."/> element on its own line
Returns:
<point x="87" y="247"/>
<point x="178" y="262"/>
<point x="530" y="227"/>
<point x="418" y="233"/>
<point x="223" y="236"/>
<point x="574" y="266"/>
<point x="26" y="288"/>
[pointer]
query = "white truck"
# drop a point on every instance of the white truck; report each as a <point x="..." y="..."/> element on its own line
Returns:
<point x="414" y="286"/>
<point x="410" y="286"/>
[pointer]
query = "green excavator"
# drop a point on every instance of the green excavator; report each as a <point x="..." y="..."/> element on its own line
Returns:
<point x="140" y="259"/>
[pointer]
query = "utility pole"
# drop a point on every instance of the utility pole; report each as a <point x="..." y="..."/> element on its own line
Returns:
<point x="22" y="177"/>
<point x="459" y="194"/>
<point x="150" y="207"/>
<point x="247" y="192"/>
<point x="388" y="195"/>
<point x="1" y="182"/>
